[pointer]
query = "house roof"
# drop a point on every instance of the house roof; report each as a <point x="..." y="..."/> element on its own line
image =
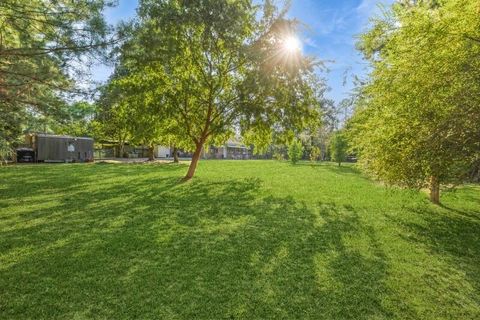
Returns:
<point x="235" y="144"/>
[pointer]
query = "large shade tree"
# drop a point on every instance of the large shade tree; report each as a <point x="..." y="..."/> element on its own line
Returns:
<point x="416" y="123"/>
<point x="225" y="67"/>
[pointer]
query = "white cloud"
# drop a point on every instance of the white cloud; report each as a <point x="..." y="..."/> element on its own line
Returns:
<point x="369" y="8"/>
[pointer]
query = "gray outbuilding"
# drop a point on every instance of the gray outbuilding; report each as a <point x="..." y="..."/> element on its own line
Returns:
<point x="58" y="148"/>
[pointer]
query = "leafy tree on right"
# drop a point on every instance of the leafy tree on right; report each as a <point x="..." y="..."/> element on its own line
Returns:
<point x="417" y="117"/>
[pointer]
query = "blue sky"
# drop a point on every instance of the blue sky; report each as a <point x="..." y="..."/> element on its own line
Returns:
<point x="332" y="26"/>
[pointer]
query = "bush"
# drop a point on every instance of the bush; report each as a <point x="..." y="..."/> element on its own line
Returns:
<point x="277" y="155"/>
<point x="314" y="153"/>
<point x="6" y="151"/>
<point x="295" y="151"/>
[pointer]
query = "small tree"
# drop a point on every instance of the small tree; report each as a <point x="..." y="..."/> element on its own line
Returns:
<point x="295" y="151"/>
<point x="314" y="153"/>
<point x="338" y="148"/>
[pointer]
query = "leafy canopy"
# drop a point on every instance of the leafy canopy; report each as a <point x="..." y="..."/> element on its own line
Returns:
<point x="417" y="116"/>
<point x="211" y="69"/>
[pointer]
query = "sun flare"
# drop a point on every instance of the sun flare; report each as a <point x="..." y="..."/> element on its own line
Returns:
<point x="292" y="44"/>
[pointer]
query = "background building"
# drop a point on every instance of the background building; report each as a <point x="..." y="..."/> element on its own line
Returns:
<point x="55" y="148"/>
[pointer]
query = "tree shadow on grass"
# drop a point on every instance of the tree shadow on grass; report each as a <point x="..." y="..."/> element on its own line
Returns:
<point x="468" y="194"/>
<point x="352" y="280"/>
<point x="451" y="236"/>
<point x="471" y="214"/>
<point x="344" y="169"/>
<point x="158" y="249"/>
<point x="56" y="179"/>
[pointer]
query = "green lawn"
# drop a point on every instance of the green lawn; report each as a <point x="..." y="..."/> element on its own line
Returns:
<point x="243" y="240"/>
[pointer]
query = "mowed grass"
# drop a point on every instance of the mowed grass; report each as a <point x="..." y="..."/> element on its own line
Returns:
<point x="243" y="240"/>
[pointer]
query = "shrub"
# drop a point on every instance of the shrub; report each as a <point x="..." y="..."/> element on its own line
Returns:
<point x="314" y="153"/>
<point x="6" y="151"/>
<point x="295" y="151"/>
<point x="277" y="155"/>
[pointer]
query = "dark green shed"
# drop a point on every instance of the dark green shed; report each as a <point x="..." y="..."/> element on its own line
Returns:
<point x="57" y="148"/>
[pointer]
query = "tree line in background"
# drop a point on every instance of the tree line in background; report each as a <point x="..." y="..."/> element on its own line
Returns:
<point x="189" y="74"/>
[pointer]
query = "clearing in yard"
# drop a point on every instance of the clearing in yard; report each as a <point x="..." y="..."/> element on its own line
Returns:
<point x="242" y="240"/>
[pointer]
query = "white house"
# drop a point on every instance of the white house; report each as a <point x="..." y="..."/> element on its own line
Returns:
<point x="162" y="152"/>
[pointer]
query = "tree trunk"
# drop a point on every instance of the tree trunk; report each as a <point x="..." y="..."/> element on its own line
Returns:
<point x="193" y="164"/>
<point x="434" y="190"/>
<point x="121" y="146"/>
<point x="121" y="150"/>
<point x="151" y="153"/>
<point x="175" y="154"/>
<point x="199" y="145"/>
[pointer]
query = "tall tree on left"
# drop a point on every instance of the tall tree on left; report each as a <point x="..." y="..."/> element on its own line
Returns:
<point x="43" y="44"/>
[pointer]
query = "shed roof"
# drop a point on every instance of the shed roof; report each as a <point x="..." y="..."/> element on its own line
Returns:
<point x="47" y="135"/>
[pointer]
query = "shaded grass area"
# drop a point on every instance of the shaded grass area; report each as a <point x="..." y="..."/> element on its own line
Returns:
<point x="243" y="240"/>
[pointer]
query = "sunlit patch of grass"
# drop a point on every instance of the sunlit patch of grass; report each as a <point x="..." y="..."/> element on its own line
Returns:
<point x="244" y="239"/>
